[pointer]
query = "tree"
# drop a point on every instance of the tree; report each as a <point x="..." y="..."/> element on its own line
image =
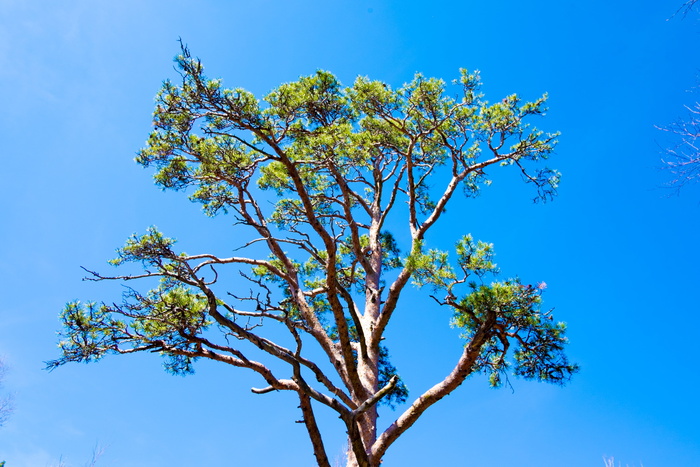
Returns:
<point x="6" y="402"/>
<point x="316" y="174"/>
<point x="683" y="157"/>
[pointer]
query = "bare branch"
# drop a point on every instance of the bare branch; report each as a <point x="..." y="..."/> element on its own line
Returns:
<point x="683" y="158"/>
<point x="686" y="8"/>
<point x="312" y="428"/>
<point x="376" y="397"/>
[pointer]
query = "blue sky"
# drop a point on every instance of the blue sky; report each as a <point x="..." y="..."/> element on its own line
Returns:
<point x="620" y="257"/>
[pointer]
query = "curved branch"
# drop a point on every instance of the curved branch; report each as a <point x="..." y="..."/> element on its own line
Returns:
<point x="460" y="372"/>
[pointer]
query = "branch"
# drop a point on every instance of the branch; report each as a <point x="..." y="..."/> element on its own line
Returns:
<point x="397" y="286"/>
<point x="461" y="371"/>
<point x="266" y="373"/>
<point x="686" y="8"/>
<point x="291" y="278"/>
<point x="684" y="156"/>
<point x="312" y="428"/>
<point x="350" y="374"/>
<point x="388" y="387"/>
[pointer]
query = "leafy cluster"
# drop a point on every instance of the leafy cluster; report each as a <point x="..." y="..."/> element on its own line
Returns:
<point x="515" y="309"/>
<point x="168" y="319"/>
<point x="509" y="310"/>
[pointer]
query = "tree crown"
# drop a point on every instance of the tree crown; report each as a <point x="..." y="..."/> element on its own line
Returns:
<point x="313" y="172"/>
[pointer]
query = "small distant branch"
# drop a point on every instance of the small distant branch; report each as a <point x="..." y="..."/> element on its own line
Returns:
<point x="683" y="159"/>
<point x="6" y="405"/>
<point x="97" y="452"/>
<point x="686" y="8"/>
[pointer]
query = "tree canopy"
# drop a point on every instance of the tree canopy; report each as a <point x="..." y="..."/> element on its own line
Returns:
<point x="324" y="182"/>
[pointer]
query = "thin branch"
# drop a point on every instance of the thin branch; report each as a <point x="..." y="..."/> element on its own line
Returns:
<point x="366" y="405"/>
<point x="686" y="8"/>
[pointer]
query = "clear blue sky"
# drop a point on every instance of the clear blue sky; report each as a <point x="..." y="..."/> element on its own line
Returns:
<point x="620" y="257"/>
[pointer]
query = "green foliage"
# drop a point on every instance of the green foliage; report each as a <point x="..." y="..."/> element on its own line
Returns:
<point x="475" y="258"/>
<point x="312" y="171"/>
<point x="165" y="319"/>
<point x="308" y="135"/>
<point x="511" y="308"/>
<point x="399" y="394"/>
<point x="325" y="128"/>
<point x="150" y="249"/>
<point x="434" y="268"/>
<point x="515" y="309"/>
<point x="430" y="268"/>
